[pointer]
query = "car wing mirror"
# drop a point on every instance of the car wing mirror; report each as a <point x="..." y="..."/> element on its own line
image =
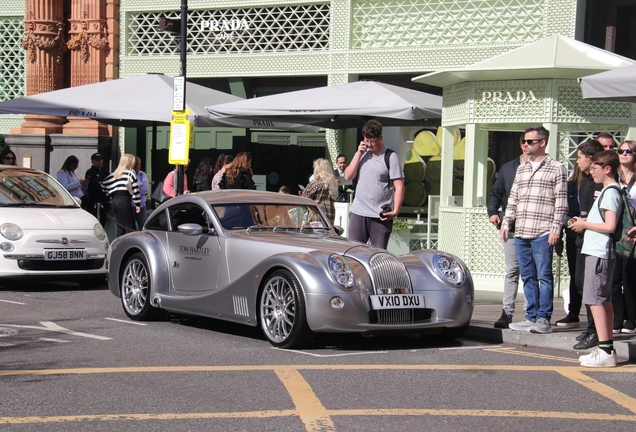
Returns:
<point x="338" y="229"/>
<point x="190" y="229"/>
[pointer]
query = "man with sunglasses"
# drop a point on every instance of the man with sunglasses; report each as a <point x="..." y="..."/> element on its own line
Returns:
<point x="538" y="205"/>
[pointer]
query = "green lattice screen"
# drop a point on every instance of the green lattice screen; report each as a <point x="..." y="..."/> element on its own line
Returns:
<point x="11" y="58"/>
<point x="249" y="30"/>
<point x="389" y="23"/>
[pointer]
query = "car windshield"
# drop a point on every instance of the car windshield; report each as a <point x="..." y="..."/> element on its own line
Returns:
<point x="242" y="216"/>
<point x="20" y="188"/>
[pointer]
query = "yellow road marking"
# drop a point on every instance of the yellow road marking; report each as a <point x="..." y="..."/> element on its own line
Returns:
<point x="310" y="409"/>
<point x="169" y="416"/>
<point x="330" y="413"/>
<point x="163" y="369"/>
<point x="530" y="354"/>
<point x="600" y="388"/>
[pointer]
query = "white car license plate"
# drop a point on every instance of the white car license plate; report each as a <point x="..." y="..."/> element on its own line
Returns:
<point x="64" y="254"/>
<point x="397" y="301"/>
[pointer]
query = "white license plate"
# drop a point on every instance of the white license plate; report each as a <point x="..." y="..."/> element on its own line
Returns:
<point x="397" y="301"/>
<point x="64" y="254"/>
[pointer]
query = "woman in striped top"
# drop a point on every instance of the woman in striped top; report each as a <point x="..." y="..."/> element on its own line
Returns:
<point x="120" y="186"/>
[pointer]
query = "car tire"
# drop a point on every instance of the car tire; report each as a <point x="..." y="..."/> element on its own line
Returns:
<point x="282" y="311"/>
<point x="135" y="289"/>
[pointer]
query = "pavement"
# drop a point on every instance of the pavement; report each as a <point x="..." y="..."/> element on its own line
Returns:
<point x="488" y="310"/>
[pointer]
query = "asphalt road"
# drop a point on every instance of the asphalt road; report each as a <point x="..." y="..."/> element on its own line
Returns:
<point x="70" y="359"/>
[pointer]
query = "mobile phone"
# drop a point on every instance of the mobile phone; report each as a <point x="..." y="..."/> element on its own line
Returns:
<point x="301" y="187"/>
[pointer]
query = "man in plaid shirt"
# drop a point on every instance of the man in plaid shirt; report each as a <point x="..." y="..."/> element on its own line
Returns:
<point x="538" y="205"/>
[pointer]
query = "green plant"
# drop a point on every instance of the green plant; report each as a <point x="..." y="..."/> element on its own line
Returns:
<point x="400" y="225"/>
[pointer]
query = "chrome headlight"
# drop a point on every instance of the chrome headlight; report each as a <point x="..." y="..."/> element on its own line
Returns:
<point x="341" y="271"/>
<point x="449" y="269"/>
<point x="11" y="231"/>
<point x="99" y="232"/>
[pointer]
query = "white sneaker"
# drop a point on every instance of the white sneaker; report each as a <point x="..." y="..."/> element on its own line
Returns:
<point x="599" y="358"/>
<point x="541" y="326"/>
<point x="586" y="357"/>
<point x="524" y="325"/>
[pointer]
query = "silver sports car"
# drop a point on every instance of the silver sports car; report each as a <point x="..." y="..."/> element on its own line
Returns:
<point x="273" y="260"/>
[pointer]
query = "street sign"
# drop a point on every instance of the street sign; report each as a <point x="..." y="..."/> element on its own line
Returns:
<point x="178" y="97"/>
<point x="180" y="138"/>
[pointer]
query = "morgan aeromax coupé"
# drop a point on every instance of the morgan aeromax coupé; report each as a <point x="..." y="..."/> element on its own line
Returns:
<point x="274" y="261"/>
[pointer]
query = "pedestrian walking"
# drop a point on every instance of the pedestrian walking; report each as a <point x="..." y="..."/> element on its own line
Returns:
<point x="121" y="186"/>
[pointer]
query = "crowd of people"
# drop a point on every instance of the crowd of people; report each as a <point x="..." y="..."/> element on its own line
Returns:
<point x="532" y="203"/>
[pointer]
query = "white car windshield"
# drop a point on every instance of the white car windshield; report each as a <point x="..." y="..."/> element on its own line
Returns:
<point x="20" y="188"/>
<point x="243" y="216"/>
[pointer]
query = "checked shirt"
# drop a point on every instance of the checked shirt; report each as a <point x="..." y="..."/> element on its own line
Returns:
<point x="538" y="200"/>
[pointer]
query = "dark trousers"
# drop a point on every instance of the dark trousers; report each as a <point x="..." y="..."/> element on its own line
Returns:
<point x="624" y="291"/>
<point x="363" y="229"/>
<point x="124" y="214"/>
<point x="580" y="277"/>
<point x="575" y="296"/>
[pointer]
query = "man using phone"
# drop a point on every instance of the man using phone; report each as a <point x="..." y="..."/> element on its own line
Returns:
<point x="379" y="191"/>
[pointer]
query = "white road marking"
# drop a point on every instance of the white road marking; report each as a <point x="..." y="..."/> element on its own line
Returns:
<point x="54" y="340"/>
<point x="50" y="326"/>
<point x="13" y="302"/>
<point x="126" y="321"/>
<point x="4" y="344"/>
<point x="471" y="347"/>
<point x="331" y="355"/>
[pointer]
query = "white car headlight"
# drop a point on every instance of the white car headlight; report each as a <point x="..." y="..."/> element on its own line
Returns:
<point x="11" y="231"/>
<point x="449" y="269"/>
<point x="99" y="232"/>
<point x="341" y="271"/>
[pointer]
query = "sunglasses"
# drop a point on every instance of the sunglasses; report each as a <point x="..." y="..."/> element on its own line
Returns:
<point x="624" y="151"/>
<point x="531" y="142"/>
<point x="9" y="158"/>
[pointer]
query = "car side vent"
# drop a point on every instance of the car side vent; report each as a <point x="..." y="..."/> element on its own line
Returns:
<point x="240" y="305"/>
<point x="389" y="274"/>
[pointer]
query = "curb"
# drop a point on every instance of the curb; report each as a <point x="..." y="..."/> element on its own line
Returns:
<point x="561" y="340"/>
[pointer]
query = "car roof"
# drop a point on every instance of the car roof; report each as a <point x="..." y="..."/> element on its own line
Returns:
<point x="241" y="196"/>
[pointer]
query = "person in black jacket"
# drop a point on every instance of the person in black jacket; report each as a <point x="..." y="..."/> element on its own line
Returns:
<point x="587" y="193"/>
<point x="95" y="195"/>
<point x="239" y="174"/>
<point x="499" y="198"/>
<point x="202" y="176"/>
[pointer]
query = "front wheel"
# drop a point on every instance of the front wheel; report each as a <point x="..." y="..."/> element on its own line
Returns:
<point x="282" y="311"/>
<point x="135" y="289"/>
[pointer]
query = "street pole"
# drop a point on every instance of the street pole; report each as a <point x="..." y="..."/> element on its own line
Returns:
<point x="183" y="49"/>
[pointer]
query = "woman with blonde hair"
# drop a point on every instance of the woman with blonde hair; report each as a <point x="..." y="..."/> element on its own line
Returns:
<point x="624" y="276"/>
<point x="121" y="186"/>
<point x="239" y="174"/>
<point x="323" y="188"/>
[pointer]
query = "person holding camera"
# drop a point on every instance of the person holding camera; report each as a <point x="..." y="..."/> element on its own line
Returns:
<point x="379" y="189"/>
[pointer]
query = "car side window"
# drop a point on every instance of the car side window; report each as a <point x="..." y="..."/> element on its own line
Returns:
<point x="187" y="213"/>
<point x="158" y="221"/>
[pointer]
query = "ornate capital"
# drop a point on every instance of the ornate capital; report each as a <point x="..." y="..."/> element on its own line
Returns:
<point x="43" y="35"/>
<point x="87" y="33"/>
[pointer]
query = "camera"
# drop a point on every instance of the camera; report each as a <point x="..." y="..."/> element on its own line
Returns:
<point x="386" y="208"/>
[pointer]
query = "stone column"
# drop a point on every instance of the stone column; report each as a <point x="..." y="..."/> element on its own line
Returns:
<point x="45" y="46"/>
<point x="89" y="45"/>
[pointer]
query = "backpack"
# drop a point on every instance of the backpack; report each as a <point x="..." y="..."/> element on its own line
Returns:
<point x="387" y="159"/>
<point x="623" y="247"/>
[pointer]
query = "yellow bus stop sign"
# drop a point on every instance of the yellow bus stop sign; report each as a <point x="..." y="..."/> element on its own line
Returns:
<point x="180" y="137"/>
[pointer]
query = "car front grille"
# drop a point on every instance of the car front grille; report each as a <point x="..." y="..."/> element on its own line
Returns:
<point x="390" y="277"/>
<point x="40" y="265"/>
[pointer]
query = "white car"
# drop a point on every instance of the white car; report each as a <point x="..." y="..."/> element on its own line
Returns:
<point x="44" y="232"/>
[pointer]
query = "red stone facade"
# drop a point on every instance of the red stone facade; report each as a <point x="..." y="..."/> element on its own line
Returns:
<point x="89" y="30"/>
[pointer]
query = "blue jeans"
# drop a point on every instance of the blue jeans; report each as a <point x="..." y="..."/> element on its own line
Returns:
<point x="535" y="269"/>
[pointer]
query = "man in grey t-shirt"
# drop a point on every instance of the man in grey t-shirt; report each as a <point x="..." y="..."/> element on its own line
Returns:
<point x="377" y="186"/>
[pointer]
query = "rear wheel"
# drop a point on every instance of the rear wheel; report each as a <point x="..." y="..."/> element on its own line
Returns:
<point x="282" y="311"/>
<point x="135" y="289"/>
